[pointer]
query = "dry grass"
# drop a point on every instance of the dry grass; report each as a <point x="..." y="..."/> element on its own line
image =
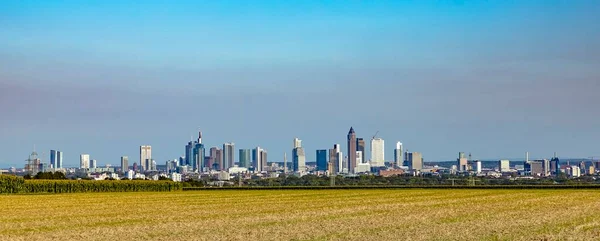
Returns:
<point x="305" y="214"/>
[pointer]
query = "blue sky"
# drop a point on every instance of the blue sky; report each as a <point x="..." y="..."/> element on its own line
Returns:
<point x="495" y="78"/>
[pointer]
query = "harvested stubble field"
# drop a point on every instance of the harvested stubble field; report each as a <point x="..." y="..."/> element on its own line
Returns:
<point x="429" y="214"/>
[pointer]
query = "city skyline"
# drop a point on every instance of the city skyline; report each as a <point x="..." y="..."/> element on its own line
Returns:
<point x="495" y="79"/>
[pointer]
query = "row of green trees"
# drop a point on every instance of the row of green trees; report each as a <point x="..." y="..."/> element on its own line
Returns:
<point x="12" y="184"/>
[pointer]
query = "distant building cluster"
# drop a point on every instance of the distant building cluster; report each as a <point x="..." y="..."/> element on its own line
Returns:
<point x="222" y="163"/>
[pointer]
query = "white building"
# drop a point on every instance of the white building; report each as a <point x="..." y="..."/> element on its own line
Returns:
<point x="398" y="154"/>
<point x="359" y="157"/>
<point x="93" y="164"/>
<point x="477" y="166"/>
<point x="377" y="152"/>
<point x="130" y="174"/>
<point x="363" y="167"/>
<point x="504" y="166"/>
<point x="176" y="177"/>
<point x="575" y="171"/>
<point x="224" y="176"/>
<point x="340" y="158"/>
<point x="84" y="161"/>
<point x="145" y="157"/>
<point x="236" y="169"/>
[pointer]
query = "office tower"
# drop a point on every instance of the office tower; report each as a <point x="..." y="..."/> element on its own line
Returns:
<point x="145" y="157"/>
<point x="135" y="167"/>
<point x="124" y="163"/>
<point x="321" y="160"/>
<point x="53" y="158"/>
<point x="59" y="159"/>
<point x="199" y="141"/>
<point x="228" y="155"/>
<point x="245" y="158"/>
<point x="153" y="165"/>
<point x="415" y="160"/>
<point x="555" y="165"/>
<point x="351" y="162"/>
<point x="360" y="146"/>
<point x="189" y="154"/>
<point x="257" y="159"/>
<point x="398" y="154"/>
<point x="285" y="162"/>
<point x="504" y="165"/>
<point x="477" y="166"/>
<point x="377" y="152"/>
<point x="216" y="156"/>
<point x="359" y="158"/>
<point x="575" y="171"/>
<point x="334" y="162"/>
<point x="182" y="161"/>
<point x="198" y="157"/>
<point x="84" y="161"/>
<point x="298" y="157"/>
<point x="93" y="164"/>
<point x="263" y="157"/>
<point x="546" y="167"/>
<point x="534" y="168"/>
<point x="462" y="162"/>
<point x="297" y="143"/>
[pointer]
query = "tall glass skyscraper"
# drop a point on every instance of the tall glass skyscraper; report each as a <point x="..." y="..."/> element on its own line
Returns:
<point x="245" y="157"/>
<point x="322" y="160"/>
<point x="228" y="155"/>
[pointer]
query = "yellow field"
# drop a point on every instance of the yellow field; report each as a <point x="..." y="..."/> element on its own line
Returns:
<point x="305" y="214"/>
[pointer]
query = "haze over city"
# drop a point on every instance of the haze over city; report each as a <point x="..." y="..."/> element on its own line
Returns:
<point x="495" y="79"/>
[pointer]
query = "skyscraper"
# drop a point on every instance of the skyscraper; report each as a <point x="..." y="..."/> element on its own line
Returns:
<point x="360" y="146"/>
<point x="145" y="157"/>
<point x="216" y="156"/>
<point x="93" y="163"/>
<point x="53" y="158"/>
<point x="351" y="162"/>
<point x="377" y="152"/>
<point x="398" y="154"/>
<point x="124" y="164"/>
<point x="259" y="159"/>
<point x="59" y="159"/>
<point x="462" y="162"/>
<point x="245" y="157"/>
<point x="198" y="156"/>
<point x="415" y="160"/>
<point x="298" y="157"/>
<point x="228" y="155"/>
<point x="337" y="159"/>
<point x="321" y="160"/>
<point x="84" y="161"/>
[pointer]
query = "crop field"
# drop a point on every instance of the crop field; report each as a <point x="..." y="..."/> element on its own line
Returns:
<point x="415" y="214"/>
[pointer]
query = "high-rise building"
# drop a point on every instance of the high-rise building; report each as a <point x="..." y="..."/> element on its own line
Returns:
<point x="84" y="161"/>
<point x="257" y="161"/>
<point x="504" y="165"/>
<point x="377" y="152"/>
<point x="462" y="162"/>
<point x="477" y="166"/>
<point x="245" y="158"/>
<point x="59" y="159"/>
<point x="554" y="165"/>
<point x="321" y="160"/>
<point x="198" y="157"/>
<point x="216" y="156"/>
<point x="297" y="142"/>
<point x="415" y="160"/>
<point x="360" y="146"/>
<point x="124" y="164"/>
<point x="351" y="162"/>
<point x="398" y="154"/>
<point x="263" y="157"/>
<point x="228" y="155"/>
<point x="145" y="157"/>
<point x="53" y="158"/>
<point x="93" y="164"/>
<point x="298" y="157"/>
<point x="359" y="158"/>
<point x="334" y="162"/>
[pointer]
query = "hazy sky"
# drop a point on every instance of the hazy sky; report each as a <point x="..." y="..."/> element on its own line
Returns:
<point x="495" y="78"/>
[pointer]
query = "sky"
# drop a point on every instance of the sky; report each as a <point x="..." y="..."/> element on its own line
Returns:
<point x="493" y="78"/>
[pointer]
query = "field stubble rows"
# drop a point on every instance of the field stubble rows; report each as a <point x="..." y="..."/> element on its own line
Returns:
<point x="414" y="214"/>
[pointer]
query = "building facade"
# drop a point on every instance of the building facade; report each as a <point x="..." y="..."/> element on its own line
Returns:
<point x="145" y="157"/>
<point x="322" y="160"/>
<point x="415" y="160"/>
<point x="351" y="162"/>
<point x="377" y="152"/>
<point x="228" y="155"/>
<point x="124" y="164"/>
<point x="398" y="154"/>
<point x="245" y="157"/>
<point x="84" y="161"/>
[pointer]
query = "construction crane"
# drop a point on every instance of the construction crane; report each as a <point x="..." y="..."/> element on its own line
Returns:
<point x="375" y="135"/>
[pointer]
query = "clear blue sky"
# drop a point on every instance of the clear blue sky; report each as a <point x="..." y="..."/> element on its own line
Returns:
<point x="495" y="78"/>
